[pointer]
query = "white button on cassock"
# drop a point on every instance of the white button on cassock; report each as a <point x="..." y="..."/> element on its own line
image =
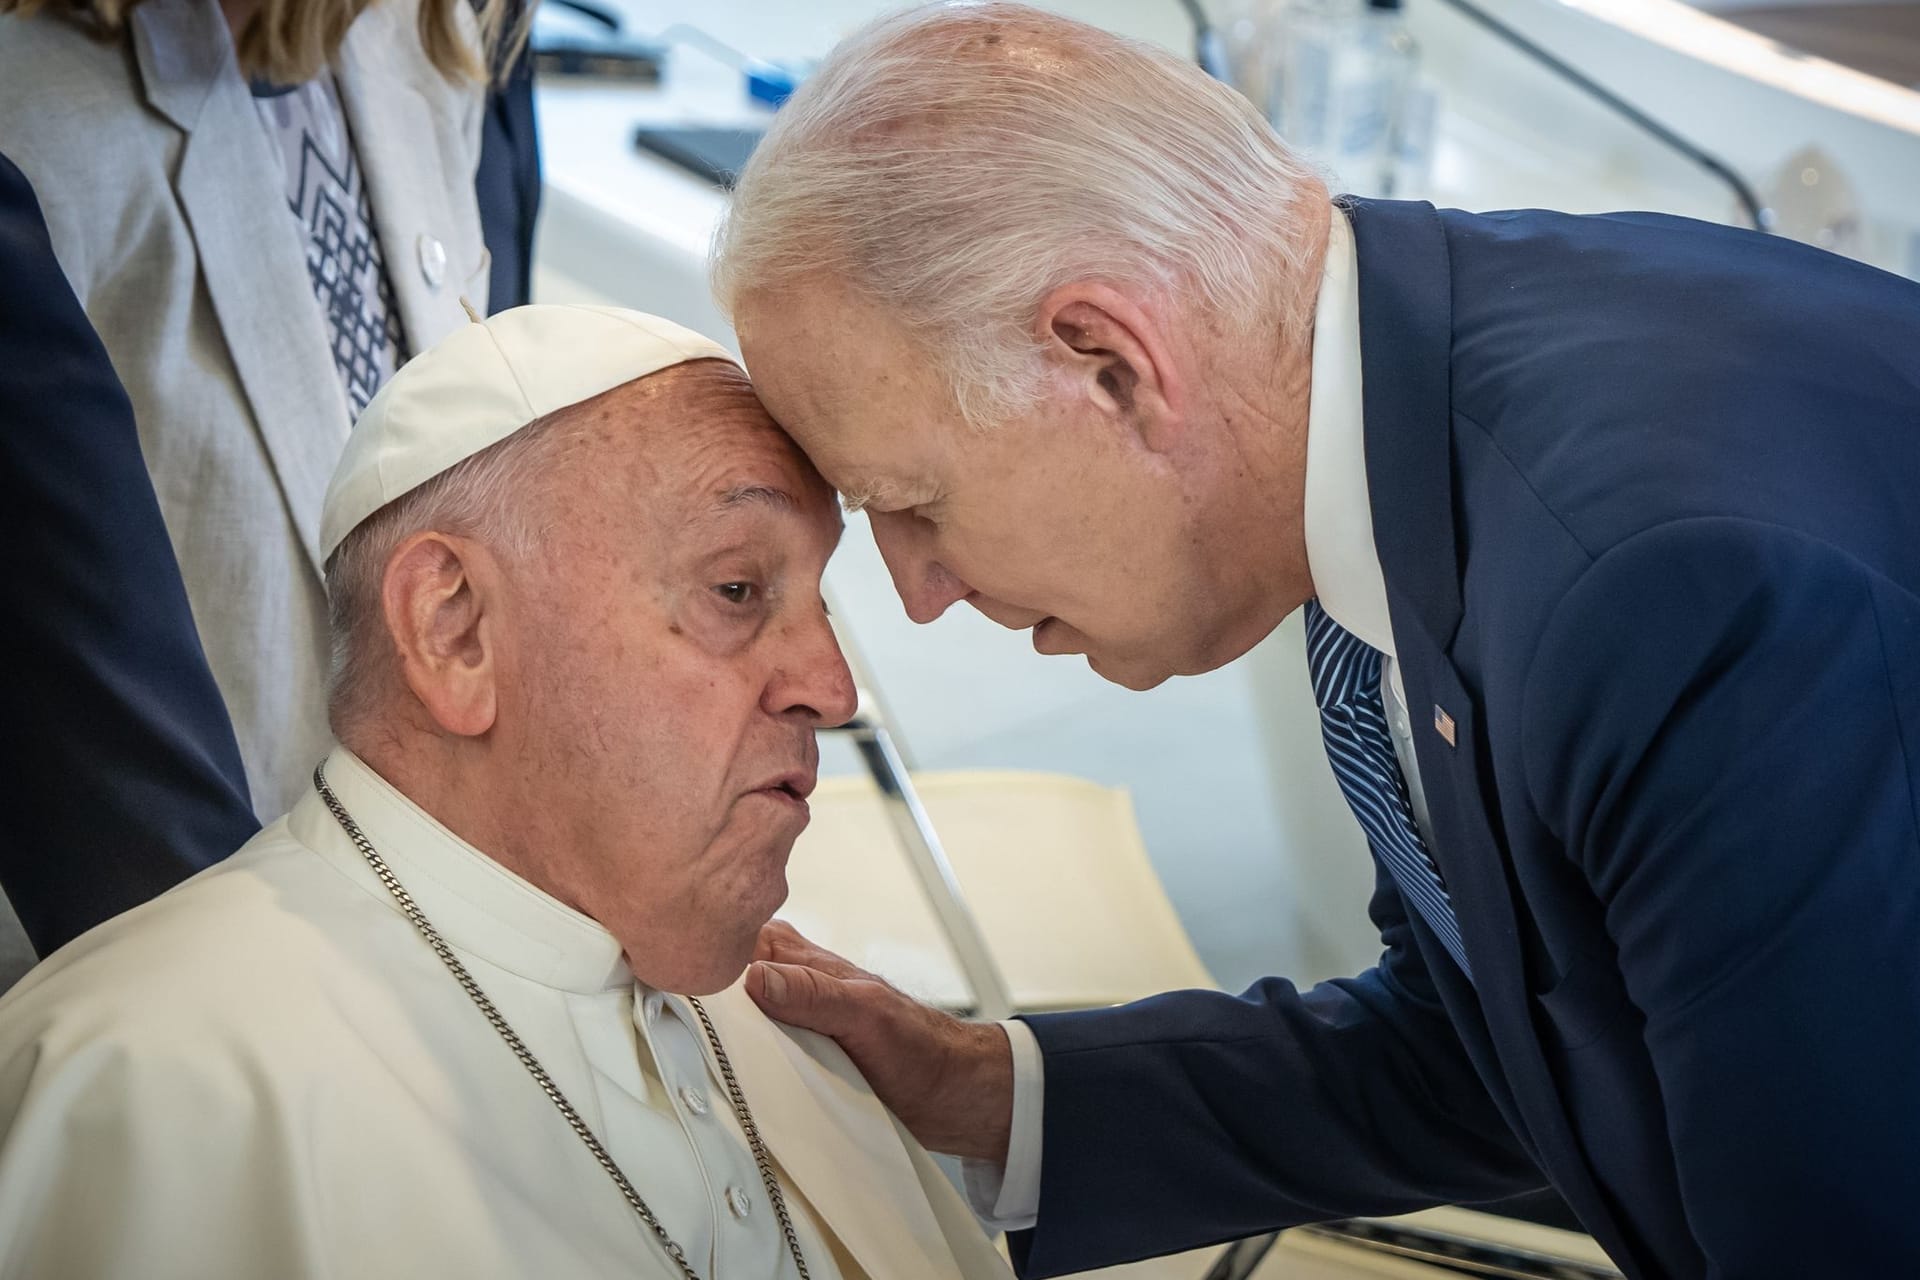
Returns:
<point x="694" y="1100"/>
<point x="738" y="1202"/>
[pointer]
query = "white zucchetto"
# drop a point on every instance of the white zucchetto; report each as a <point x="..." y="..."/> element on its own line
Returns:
<point x="482" y="384"/>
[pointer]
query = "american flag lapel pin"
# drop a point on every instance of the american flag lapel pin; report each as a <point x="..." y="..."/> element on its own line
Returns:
<point x="1443" y="723"/>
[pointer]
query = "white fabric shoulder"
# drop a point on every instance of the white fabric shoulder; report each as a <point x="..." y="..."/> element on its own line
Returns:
<point x="137" y="1109"/>
<point x="880" y="1193"/>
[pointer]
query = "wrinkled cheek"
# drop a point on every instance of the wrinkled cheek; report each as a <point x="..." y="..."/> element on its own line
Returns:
<point x="751" y="868"/>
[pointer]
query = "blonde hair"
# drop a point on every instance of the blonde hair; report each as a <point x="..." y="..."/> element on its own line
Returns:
<point x="956" y="163"/>
<point x="290" y="41"/>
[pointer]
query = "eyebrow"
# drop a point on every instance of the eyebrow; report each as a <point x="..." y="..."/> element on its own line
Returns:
<point x="857" y="496"/>
<point x="755" y="494"/>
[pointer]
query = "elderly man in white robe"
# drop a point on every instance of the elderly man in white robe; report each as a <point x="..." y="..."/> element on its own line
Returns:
<point x="471" y="1008"/>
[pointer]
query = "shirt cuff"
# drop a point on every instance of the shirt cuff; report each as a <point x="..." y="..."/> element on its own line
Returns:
<point x="1008" y="1199"/>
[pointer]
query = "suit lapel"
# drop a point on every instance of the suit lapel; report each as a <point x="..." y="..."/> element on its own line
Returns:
<point x="1406" y="328"/>
<point x="428" y="250"/>
<point x="834" y="1141"/>
<point x="1406" y="331"/>
<point x="230" y="187"/>
<point x="1473" y="861"/>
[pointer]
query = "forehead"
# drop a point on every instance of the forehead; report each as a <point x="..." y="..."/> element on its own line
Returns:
<point x="866" y="402"/>
<point x="700" y="447"/>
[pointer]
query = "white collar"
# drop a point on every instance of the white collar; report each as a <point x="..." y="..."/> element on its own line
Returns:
<point x="479" y="906"/>
<point x="838" y="1146"/>
<point x="1346" y="571"/>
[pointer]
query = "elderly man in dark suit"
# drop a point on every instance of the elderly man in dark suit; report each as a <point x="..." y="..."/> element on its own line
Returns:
<point x="125" y="778"/>
<point x="1606" y="535"/>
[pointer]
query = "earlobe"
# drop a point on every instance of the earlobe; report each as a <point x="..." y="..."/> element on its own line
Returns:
<point x="440" y="613"/>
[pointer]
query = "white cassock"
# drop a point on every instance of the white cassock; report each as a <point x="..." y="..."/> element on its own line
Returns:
<point x="266" y="1073"/>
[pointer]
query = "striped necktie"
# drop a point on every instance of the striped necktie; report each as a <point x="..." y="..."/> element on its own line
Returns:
<point x="1346" y="684"/>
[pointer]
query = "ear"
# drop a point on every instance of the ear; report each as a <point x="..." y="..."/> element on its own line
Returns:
<point x="1116" y="354"/>
<point x="441" y="601"/>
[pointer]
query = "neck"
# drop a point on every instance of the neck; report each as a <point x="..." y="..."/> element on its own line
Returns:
<point x="1263" y="400"/>
<point x="238" y="14"/>
<point x="454" y="780"/>
<point x="480" y="789"/>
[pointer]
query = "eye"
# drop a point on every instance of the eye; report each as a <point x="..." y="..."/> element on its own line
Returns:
<point x="737" y="592"/>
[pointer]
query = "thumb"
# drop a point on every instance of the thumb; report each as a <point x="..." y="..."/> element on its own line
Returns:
<point x="802" y="997"/>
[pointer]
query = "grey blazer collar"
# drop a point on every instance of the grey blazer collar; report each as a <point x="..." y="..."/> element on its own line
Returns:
<point x="399" y="139"/>
<point x="230" y="186"/>
<point x="180" y="48"/>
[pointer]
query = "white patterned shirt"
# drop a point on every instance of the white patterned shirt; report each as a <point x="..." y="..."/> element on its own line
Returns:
<point x="327" y="194"/>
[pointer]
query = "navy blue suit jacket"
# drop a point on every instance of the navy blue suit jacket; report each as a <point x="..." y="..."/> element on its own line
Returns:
<point x="507" y="182"/>
<point x="1647" y="497"/>
<point x="123" y="777"/>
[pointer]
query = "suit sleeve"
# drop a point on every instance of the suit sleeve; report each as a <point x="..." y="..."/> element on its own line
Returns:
<point x="1741" y="796"/>
<point x="127" y="778"/>
<point x="508" y="182"/>
<point x="1197" y="1117"/>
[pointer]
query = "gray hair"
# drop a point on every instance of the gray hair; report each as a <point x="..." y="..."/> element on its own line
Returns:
<point x="493" y="497"/>
<point x="957" y="182"/>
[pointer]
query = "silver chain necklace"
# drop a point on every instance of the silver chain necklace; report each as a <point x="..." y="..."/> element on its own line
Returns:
<point x="735" y="1095"/>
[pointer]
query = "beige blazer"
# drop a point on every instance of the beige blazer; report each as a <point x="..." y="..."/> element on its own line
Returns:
<point x="167" y="205"/>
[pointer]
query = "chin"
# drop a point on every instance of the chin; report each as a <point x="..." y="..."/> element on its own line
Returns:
<point x="717" y="968"/>
<point x="766" y="895"/>
<point x="719" y="954"/>
<point x="1137" y="677"/>
<point x="716" y="981"/>
<point x="701" y="960"/>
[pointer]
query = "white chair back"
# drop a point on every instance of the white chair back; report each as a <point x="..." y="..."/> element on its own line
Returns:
<point x="1052" y="867"/>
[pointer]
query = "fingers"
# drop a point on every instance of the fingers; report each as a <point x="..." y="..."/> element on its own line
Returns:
<point x="763" y="946"/>
<point x="803" y="996"/>
<point x="781" y="943"/>
<point x="777" y="937"/>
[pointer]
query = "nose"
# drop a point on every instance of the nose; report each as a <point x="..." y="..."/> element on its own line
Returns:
<point x="814" y="682"/>
<point x="925" y="586"/>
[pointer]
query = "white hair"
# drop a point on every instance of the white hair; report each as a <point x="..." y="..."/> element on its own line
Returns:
<point x="956" y="163"/>
<point x="493" y="497"/>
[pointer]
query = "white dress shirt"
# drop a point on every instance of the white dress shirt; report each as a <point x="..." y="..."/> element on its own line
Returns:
<point x="1351" y="587"/>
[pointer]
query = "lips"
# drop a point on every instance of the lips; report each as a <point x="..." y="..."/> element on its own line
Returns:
<point x="794" y="784"/>
<point x="1012" y="617"/>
